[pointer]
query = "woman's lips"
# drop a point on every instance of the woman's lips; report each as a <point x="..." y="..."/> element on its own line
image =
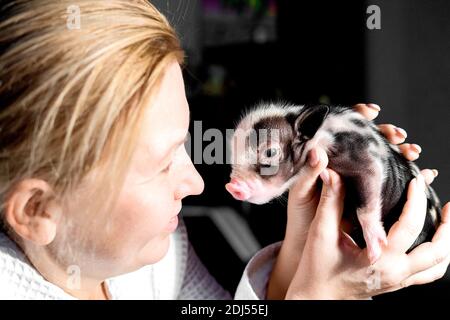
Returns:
<point x="173" y="224"/>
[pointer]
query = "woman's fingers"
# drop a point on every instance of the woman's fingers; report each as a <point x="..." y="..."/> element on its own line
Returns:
<point x="397" y="135"/>
<point x="427" y="256"/>
<point x="304" y="189"/>
<point x="394" y="134"/>
<point x="331" y="206"/>
<point x="303" y="195"/>
<point x="405" y="231"/>
<point x="429" y="175"/>
<point x="410" y="151"/>
<point x="427" y="276"/>
<point x="430" y="260"/>
<point x="430" y="254"/>
<point x="369" y="111"/>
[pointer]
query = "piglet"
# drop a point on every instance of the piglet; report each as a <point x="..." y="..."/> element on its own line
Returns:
<point x="271" y="144"/>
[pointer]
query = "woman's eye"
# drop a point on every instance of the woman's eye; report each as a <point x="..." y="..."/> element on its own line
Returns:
<point x="166" y="169"/>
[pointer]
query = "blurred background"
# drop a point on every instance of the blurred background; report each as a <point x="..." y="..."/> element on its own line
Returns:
<point x="240" y="52"/>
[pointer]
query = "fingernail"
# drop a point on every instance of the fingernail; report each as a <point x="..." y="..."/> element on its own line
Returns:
<point x="374" y="107"/>
<point x="435" y="172"/>
<point x="401" y="132"/>
<point x="313" y="158"/>
<point x="325" y="176"/>
<point x="417" y="148"/>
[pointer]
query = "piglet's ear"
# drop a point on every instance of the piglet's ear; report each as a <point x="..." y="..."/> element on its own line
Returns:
<point x="310" y="120"/>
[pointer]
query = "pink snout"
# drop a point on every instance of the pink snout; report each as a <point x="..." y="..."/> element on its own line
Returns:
<point x="239" y="189"/>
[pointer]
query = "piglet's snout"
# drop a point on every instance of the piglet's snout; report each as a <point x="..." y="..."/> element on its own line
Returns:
<point x="239" y="189"/>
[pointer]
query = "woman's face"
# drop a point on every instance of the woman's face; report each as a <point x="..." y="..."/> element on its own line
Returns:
<point x="160" y="176"/>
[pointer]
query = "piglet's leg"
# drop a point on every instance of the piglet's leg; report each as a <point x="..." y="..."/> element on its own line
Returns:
<point x="373" y="231"/>
<point x="369" y="185"/>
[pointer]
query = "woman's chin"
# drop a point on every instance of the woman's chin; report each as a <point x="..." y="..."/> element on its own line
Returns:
<point x="153" y="253"/>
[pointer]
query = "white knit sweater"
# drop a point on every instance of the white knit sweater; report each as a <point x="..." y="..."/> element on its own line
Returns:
<point x="179" y="275"/>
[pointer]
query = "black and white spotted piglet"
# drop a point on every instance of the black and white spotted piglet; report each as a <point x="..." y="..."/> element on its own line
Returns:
<point x="375" y="174"/>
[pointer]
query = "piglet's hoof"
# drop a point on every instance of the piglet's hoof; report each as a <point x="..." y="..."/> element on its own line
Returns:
<point x="375" y="240"/>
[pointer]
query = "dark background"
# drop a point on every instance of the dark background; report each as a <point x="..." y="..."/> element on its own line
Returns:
<point x="311" y="51"/>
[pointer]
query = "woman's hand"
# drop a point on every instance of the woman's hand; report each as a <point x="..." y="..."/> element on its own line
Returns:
<point x="332" y="266"/>
<point x="304" y="198"/>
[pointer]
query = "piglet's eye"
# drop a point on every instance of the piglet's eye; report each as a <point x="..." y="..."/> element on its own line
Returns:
<point x="271" y="152"/>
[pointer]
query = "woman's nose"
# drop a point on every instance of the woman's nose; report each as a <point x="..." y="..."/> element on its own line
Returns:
<point x="191" y="184"/>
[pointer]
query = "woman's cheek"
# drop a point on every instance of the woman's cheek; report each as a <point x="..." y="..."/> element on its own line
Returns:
<point x="151" y="210"/>
<point x="152" y="215"/>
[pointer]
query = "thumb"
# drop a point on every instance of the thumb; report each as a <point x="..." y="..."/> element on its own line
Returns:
<point x="331" y="205"/>
<point x="302" y="192"/>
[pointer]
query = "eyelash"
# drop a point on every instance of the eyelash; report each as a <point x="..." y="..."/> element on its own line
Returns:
<point x="167" y="168"/>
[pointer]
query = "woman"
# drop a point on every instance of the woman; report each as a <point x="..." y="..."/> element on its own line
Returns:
<point x="93" y="172"/>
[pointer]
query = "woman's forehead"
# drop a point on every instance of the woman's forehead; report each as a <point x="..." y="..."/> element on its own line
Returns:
<point x="167" y="119"/>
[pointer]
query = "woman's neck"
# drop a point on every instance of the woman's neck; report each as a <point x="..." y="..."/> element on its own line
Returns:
<point x="71" y="279"/>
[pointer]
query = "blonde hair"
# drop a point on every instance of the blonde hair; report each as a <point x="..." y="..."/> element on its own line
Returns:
<point x="72" y="100"/>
